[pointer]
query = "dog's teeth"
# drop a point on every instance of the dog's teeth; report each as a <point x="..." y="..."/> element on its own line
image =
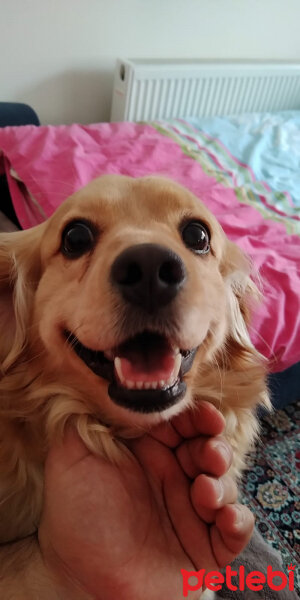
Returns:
<point x="129" y="384"/>
<point x="176" y="370"/>
<point x="147" y="385"/>
<point x="109" y="354"/>
<point x="177" y="366"/>
<point x="118" y="367"/>
<point x="176" y="350"/>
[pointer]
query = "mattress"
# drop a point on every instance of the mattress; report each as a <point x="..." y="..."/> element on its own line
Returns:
<point x="245" y="169"/>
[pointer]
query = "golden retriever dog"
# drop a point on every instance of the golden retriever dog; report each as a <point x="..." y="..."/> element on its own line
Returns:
<point x="124" y="308"/>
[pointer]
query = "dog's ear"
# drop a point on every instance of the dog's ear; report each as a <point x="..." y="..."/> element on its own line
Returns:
<point x="245" y="363"/>
<point x="243" y="293"/>
<point x="19" y="275"/>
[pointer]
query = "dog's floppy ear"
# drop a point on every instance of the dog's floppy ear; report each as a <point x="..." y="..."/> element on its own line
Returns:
<point x="19" y="274"/>
<point x="245" y="363"/>
<point x="243" y="294"/>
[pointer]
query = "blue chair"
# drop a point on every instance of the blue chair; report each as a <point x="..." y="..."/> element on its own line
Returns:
<point x="16" y="113"/>
<point x="11" y="114"/>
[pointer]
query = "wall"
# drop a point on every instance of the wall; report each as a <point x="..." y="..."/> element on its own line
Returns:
<point x="59" y="55"/>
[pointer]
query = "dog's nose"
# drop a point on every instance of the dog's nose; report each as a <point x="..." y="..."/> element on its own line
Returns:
<point x="148" y="275"/>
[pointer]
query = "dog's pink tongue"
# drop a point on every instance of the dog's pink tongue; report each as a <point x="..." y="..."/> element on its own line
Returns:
<point x="137" y="368"/>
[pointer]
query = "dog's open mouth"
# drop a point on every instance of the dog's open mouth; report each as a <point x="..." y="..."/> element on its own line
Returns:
<point x="144" y="373"/>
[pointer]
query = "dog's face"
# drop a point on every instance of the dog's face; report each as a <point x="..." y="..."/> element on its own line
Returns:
<point x="133" y="285"/>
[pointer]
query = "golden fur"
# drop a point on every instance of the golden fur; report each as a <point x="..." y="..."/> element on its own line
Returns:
<point x="43" y="383"/>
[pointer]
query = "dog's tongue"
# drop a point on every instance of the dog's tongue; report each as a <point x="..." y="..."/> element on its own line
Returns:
<point x="146" y="358"/>
<point x="136" y="370"/>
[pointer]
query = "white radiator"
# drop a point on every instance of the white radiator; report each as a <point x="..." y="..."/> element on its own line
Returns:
<point x="145" y="90"/>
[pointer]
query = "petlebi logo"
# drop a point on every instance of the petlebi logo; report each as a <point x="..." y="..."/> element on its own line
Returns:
<point x="254" y="581"/>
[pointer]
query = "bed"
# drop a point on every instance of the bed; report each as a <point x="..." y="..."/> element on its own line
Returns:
<point x="254" y="193"/>
<point x="246" y="169"/>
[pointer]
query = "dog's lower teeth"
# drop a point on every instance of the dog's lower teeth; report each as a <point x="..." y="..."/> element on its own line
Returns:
<point x="129" y="384"/>
<point x="147" y="385"/>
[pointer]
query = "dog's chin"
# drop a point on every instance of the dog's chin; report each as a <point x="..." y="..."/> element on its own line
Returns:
<point x="145" y="373"/>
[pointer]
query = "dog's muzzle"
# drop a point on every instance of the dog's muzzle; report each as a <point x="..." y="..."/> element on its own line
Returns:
<point x="145" y="372"/>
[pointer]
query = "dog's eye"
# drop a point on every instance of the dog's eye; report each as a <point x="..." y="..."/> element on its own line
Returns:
<point x="77" y="238"/>
<point x="196" y="237"/>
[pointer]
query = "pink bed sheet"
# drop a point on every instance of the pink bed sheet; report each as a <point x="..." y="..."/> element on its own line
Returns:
<point x="53" y="162"/>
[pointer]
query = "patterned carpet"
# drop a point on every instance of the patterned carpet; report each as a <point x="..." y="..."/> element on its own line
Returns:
<point x="271" y="486"/>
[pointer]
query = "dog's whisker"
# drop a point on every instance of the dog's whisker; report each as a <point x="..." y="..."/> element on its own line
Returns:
<point x="264" y="341"/>
<point x="221" y="382"/>
<point x="32" y="359"/>
<point x="60" y="181"/>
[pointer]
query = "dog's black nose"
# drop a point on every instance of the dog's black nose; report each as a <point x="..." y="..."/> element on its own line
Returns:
<point x="148" y="275"/>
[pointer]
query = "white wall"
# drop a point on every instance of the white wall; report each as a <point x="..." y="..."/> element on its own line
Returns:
<point x="59" y="55"/>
